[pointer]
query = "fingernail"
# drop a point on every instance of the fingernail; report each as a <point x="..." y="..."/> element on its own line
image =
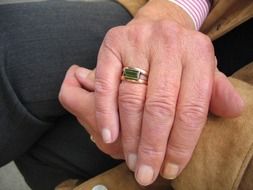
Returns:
<point x="82" y="72"/>
<point x="170" y="171"/>
<point x="145" y="175"/>
<point x="106" y="135"/>
<point x="131" y="161"/>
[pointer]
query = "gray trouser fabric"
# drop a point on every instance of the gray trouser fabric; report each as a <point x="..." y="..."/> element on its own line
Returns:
<point x="39" y="41"/>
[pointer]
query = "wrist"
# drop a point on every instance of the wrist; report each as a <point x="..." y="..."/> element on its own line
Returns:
<point x="196" y="9"/>
<point x="156" y="10"/>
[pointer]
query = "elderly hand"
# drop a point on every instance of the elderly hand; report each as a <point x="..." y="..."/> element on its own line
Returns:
<point x="159" y="123"/>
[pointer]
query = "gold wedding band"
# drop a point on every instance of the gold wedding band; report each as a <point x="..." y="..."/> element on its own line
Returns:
<point x="135" y="75"/>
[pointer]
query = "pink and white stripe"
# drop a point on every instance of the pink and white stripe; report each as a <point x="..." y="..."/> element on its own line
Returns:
<point x="196" y="9"/>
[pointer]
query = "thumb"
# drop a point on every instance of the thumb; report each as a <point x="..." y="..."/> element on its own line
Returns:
<point x="77" y="100"/>
<point x="81" y="103"/>
<point x="225" y="100"/>
<point x="86" y="78"/>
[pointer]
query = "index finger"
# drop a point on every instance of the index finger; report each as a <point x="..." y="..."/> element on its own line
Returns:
<point x="107" y="82"/>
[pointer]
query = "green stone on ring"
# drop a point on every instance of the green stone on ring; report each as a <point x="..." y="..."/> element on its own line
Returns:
<point x="131" y="74"/>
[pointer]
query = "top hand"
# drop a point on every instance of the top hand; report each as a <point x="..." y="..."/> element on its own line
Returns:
<point x="161" y="122"/>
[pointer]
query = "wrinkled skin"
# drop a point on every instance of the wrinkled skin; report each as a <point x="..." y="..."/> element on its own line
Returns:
<point x="154" y="127"/>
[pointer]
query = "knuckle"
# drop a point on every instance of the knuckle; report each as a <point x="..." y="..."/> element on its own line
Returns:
<point x="112" y="31"/>
<point x="203" y="43"/>
<point x="179" y="150"/>
<point x="160" y="107"/>
<point x="63" y="96"/>
<point x="103" y="87"/>
<point x="112" y="40"/>
<point x="170" y="28"/>
<point x="151" y="151"/>
<point x="171" y="35"/>
<point x="103" y="112"/>
<point x="130" y="141"/>
<point x="191" y="114"/>
<point x="131" y="101"/>
<point x="112" y="35"/>
<point x="137" y="33"/>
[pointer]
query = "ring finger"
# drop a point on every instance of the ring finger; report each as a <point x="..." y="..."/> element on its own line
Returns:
<point x="131" y="103"/>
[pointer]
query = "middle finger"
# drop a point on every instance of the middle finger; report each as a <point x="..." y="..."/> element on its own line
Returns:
<point x="159" y="111"/>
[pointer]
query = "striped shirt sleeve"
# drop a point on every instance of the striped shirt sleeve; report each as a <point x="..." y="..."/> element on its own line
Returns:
<point x="196" y="9"/>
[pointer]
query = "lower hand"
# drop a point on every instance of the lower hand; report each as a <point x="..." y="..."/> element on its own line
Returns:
<point x="81" y="103"/>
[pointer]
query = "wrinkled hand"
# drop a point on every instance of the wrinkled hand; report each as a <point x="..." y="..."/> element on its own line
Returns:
<point x="77" y="96"/>
<point x="159" y="123"/>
